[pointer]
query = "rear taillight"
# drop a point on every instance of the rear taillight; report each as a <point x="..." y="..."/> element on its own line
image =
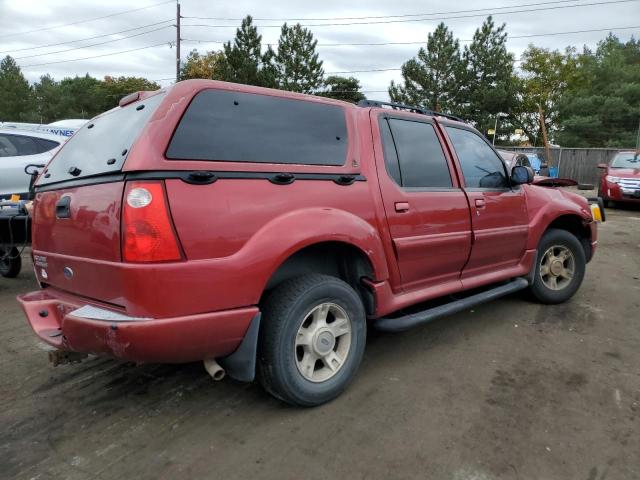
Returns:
<point x="147" y="232"/>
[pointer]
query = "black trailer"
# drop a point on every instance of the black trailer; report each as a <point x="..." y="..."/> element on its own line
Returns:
<point x="15" y="229"/>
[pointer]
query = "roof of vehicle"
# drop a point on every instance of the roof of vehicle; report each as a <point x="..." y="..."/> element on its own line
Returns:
<point x="34" y="133"/>
<point x="196" y="85"/>
<point x="69" y="123"/>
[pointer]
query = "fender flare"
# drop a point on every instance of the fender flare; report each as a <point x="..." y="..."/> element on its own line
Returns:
<point x="306" y="227"/>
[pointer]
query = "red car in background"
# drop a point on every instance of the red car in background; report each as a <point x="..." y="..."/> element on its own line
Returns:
<point x="620" y="179"/>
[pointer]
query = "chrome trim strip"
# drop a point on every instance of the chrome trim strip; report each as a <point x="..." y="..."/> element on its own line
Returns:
<point x="94" y="313"/>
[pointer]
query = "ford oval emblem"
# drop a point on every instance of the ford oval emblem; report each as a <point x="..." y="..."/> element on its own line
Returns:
<point x="68" y="273"/>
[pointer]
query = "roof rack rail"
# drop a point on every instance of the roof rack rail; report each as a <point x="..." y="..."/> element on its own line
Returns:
<point x="410" y="108"/>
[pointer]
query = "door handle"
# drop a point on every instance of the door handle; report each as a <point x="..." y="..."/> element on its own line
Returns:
<point x="480" y="203"/>
<point x="402" y="206"/>
<point x="63" y="207"/>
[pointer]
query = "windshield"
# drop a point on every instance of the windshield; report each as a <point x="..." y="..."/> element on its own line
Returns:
<point x="626" y="160"/>
<point x="102" y="145"/>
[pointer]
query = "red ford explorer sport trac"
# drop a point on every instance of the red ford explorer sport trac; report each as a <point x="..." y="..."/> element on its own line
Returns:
<point x="263" y="232"/>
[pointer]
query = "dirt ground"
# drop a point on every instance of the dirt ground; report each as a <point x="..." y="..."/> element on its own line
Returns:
<point x="509" y="390"/>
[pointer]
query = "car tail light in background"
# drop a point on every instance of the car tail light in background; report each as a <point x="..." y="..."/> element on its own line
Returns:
<point x="147" y="231"/>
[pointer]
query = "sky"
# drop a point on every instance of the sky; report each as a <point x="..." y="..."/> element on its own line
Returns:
<point x="37" y="32"/>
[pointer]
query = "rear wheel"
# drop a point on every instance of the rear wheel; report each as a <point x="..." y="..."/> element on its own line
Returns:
<point x="312" y="339"/>
<point x="560" y="267"/>
<point x="10" y="262"/>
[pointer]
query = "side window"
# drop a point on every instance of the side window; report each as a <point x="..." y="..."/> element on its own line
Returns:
<point x="481" y="167"/>
<point x="390" y="154"/>
<point x="420" y="158"/>
<point x="231" y="126"/>
<point x="7" y="148"/>
<point x="23" y="145"/>
<point x="45" y="145"/>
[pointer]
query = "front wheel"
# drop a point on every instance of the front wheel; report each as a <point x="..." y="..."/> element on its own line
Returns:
<point x="312" y="339"/>
<point x="560" y="267"/>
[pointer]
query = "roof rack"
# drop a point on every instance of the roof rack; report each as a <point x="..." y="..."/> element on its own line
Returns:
<point x="409" y="108"/>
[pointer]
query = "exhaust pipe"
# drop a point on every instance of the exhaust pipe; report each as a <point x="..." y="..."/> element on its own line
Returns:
<point x="213" y="369"/>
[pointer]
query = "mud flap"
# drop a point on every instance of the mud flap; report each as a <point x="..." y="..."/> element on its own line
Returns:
<point x="241" y="364"/>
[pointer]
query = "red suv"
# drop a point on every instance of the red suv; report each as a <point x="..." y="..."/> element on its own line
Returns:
<point x="620" y="179"/>
<point x="262" y="231"/>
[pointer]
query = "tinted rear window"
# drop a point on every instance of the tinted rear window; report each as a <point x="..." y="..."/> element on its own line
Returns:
<point x="242" y="127"/>
<point x="101" y="146"/>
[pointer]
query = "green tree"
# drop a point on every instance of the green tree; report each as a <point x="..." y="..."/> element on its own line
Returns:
<point x="112" y="89"/>
<point x="297" y="63"/>
<point x="48" y="97"/>
<point x="243" y="60"/>
<point x="488" y="87"/>
<point x="543" y="81"/>
<point x="342" y="88"/>
<point x="601" y="105"/>
<point x="80" y="97"/>
<point x="432" y="78"/>
<point x="205" y="65"/>
<point x="17" y="102"/>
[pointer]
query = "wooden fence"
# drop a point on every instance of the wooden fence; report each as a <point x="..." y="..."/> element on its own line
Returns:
<point x="580" y="164"/>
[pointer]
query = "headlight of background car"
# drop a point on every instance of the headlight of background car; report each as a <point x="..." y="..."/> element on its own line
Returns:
<point x="611" y="179"/>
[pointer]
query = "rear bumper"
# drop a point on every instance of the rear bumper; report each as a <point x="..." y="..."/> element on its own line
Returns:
<point x="55" y="318"/>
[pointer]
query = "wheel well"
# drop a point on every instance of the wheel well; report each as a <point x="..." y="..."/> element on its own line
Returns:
<point x="576" y="226"/>
<point x="337" y="259"/>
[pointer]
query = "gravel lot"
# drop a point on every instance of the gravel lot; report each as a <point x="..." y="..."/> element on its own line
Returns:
<point x="511" y="389"/>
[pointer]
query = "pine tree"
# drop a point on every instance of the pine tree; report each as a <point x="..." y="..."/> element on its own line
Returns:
<point x="601" y="105"/>
<point x="297" y="65"/>
<point x="48" y="99"/>
<point x="342" y="88"/>
<point x="17" y="102"/>
<point x="243" y="61"/>
<point x="488" y="87"/>
<point x="433" y="78"/>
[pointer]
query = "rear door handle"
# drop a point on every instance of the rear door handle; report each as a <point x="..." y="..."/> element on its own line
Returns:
<point x="63" y="207"/>
<point x="480" y="203"/>
<point x="402" y="206"/>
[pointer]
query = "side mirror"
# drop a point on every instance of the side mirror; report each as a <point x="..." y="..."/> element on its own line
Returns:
<point x="521" y="175"/>
<point x="602" y="165"/>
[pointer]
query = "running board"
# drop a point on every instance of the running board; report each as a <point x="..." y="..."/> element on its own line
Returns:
<point x="400" y="324"/>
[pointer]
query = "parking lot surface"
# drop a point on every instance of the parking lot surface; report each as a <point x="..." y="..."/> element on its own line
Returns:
<point x="509" y="390"/>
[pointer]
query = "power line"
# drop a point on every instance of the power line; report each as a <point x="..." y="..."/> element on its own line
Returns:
<point x="88" y="38"/>
<point x="99" y="56"/>
<point x="384" y="16"/>
<point x="377" y="44"/>
<point x="84" y="21"/>
<point x="425" y="19"/>
<point x="93" y="44"/>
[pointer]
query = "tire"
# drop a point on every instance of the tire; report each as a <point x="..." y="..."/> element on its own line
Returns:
<point x="585" y="186"/>
<point x="10" y="262"/>
<point x="560" y="241"/>
<point x="289" y="317"/>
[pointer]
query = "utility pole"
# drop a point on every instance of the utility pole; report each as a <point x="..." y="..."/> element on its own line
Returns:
<point x="177" y="40"/>
<point x="547" y="150"/>
<point x="495" y="129"/>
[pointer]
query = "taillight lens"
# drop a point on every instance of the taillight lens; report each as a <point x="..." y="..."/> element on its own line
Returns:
<point x="147" y="232"/>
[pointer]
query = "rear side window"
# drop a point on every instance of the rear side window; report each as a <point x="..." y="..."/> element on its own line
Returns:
<point x="242" y="127"/>
<point x="481" y="166"/>
<point x="46" y="145"/>
<point x="420" y="158"/>
<point x="17" y="146"/>
<point x="101" y="145"/>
